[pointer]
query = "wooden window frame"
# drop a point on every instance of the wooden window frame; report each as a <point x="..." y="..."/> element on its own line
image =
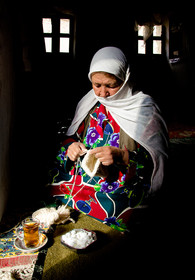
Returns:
<point x="56" y="35"/>
<point x="149" y="44"/>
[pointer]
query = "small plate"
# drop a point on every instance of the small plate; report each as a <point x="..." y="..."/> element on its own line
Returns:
<point x="19" y="244"/>
<point x="75" y="246"/>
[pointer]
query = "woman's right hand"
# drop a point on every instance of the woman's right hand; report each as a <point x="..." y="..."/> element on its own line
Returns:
<point x="75" y="150"/>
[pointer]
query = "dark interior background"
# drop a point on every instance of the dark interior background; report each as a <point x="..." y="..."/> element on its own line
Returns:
<point x="47" y="87"/>
<point x="39" y="92"/>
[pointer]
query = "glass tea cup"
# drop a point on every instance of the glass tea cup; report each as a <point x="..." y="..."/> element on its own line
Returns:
<point x="31" y="232"/>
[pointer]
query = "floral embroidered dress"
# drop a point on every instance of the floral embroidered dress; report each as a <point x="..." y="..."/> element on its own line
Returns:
<point x="109" y="199"/>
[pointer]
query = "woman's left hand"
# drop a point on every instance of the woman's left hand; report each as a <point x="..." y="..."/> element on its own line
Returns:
<point x="111" y="155"/>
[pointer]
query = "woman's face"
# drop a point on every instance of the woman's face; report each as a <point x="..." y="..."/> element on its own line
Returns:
<point x="105" y="84"/>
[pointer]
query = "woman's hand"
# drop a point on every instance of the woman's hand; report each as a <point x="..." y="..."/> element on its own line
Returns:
<point x="75" y="150"/>
<point x="109" y="155"/>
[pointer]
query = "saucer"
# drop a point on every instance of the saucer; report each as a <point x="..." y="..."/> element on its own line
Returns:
<point x="19" y="244"/>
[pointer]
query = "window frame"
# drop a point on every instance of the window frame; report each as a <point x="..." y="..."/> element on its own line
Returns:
<point x="149" y="44"/>
<point x="55" y="35"/>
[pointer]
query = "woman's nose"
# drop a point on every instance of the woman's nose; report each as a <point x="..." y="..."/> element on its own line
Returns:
<point x="104" y="92"/>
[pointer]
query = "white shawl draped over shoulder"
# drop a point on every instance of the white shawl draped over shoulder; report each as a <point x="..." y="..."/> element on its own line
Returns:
<point x="137" y="114"/>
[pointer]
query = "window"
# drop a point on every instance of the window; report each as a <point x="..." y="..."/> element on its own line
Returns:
<point x="157" y="39"/>
<point x="154" y="42"/>
<point x="57" y="34"/>
<point x="47" y="30"/>
<point x="141" y="43"/>
<point x="64" y="35"/>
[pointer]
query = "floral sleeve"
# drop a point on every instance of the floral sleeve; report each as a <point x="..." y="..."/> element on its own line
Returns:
<point x="61" y="157"/>
<point x="137" y="186"/>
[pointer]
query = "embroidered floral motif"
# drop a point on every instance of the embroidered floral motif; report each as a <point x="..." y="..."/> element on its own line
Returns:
<point x="116" y="224"/>
<point x="61" y="156"/>
<point x="111" y="220"/>
<point x="114" y="140"/>
<point x="109" y="187"/>
<point x="101" y="118"/>
<point x="92" y="136"/>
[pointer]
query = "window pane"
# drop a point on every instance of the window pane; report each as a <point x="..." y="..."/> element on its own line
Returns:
<point x="64" y="45"/>
<point x="47" y="26"/>
<point x="64" y="26"/>
<point x="141" y="47"/>
<point x="48" y="44"/>
<point x="157" y="47"/>
<point x="141" y="30"/>
<point x="157" y="30"/>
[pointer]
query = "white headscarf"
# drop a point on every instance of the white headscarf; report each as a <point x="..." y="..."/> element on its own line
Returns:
<point x="137" y="114"/>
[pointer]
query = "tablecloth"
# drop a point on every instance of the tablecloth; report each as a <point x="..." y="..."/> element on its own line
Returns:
<point x="13" y="262"/>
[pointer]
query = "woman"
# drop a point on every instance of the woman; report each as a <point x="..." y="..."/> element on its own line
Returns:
<point x="114" y="154"/>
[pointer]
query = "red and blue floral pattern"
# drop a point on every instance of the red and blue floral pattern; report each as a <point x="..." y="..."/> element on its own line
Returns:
<point x="103" y="198"/>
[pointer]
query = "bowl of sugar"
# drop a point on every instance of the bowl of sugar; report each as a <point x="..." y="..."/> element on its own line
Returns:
<point x="78" y="239"/>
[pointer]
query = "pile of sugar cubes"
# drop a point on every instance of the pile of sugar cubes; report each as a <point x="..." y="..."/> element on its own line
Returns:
<point x="78" y="238"/>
